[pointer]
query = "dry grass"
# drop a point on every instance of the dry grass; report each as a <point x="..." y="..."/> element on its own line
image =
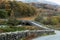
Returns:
<point x="30" y="27"/>
<point x="26" y="18"/>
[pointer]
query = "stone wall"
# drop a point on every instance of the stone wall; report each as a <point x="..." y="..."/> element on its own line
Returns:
<point x="21" y="34"/>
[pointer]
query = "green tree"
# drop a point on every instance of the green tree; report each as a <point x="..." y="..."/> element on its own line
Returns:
<point x="3" y="14"/>
<point x="54" y="20"/>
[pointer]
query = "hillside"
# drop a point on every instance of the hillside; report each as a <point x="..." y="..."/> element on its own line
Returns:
<point x="19" y="9"/>
<point x="49" y="15"/>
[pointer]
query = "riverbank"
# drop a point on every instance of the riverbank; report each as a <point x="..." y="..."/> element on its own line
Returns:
<point x="18" y="35"/>
<point x="31" y="36"/>
<point x="6" y="28"/>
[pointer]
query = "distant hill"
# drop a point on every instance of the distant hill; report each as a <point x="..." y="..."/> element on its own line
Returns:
<point x="43" y="5"/>
<point x="40" y="1"/>
<point x="46" y="8"/>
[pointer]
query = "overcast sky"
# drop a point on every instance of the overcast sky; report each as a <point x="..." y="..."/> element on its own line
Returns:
<point x="55" y="1"/>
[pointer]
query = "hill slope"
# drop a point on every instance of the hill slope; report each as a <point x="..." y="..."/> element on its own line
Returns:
<point x="19" y="9"/>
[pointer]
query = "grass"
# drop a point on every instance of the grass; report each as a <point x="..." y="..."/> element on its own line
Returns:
<point x="56" y="27"/>
<point x="14" y="28"/>
<point x="11" y="29"/>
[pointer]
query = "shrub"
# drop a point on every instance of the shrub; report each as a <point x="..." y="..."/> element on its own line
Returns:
<point x="3" y="14"/>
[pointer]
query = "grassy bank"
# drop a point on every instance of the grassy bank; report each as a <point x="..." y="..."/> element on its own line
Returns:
<point x="16" y="28"/>
<point x="56" y="27"/>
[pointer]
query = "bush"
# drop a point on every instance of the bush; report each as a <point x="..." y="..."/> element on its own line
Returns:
<point x="54" y="20"/>
<point x="2" y="22"/>
<point x="3" y="14"/>
<point x="11" y="29"/>
<point x="12" y="22"/>
<point x="49" y="21"/>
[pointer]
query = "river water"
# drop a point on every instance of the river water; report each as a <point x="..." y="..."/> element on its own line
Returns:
<point x="50" y="37"/>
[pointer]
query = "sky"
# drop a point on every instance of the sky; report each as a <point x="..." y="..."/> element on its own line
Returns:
<point x="55" y="1"/>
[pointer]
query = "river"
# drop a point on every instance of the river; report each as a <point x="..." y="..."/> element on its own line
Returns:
<point x="50" y="37"/>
